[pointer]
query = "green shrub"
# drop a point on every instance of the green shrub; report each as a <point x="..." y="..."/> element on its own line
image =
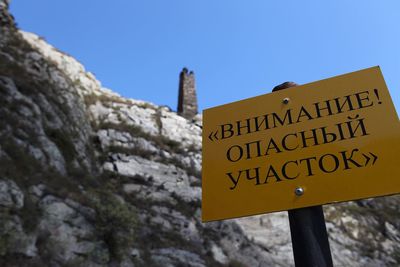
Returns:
<point x="91" y="99"/>
<point x="235" y="263"/>
<point x="136" y="131"/>
<point x="116" y="221"/>
<point x="133" y="130"/>
<point x="131" y="151"/>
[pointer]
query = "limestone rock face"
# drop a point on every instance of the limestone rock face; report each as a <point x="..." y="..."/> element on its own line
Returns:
<point x="89" y="178"/>
<point x="10" y="195"/>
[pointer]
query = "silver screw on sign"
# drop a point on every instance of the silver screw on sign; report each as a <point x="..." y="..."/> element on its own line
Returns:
<point x="299" y="191"/>
<point x="286" y="100"/>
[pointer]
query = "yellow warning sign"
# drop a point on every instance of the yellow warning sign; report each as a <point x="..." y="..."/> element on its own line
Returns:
<point x="333" y="140"/>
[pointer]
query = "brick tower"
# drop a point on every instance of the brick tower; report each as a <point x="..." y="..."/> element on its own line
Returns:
<point x="187" y="101"/>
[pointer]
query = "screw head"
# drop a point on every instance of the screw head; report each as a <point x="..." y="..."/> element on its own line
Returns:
<point x="299" y="191"/>
<point x="286" y="100"/>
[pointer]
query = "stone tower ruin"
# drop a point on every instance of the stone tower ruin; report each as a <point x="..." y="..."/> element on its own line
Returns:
<point x="187" y="101"/>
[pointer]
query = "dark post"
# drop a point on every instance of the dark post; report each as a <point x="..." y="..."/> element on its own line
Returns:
<point x="309" y="237"/>
<point x="308" y="230"/>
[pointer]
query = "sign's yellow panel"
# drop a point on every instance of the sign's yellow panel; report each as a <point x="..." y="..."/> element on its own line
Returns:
<point x="333" y="140"/>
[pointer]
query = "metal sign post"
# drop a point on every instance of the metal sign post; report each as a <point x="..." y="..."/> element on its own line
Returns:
<point x="307" y="228"/>
<point x="309" y="237"/>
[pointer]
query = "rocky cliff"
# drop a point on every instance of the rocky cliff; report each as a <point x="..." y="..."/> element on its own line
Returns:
<point x="89" y="178"/>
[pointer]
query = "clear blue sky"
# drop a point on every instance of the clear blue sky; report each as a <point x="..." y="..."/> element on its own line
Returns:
<point x="237" y="49"/>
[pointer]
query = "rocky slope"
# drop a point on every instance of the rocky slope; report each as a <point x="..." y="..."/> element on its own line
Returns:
<point x="89" y="178"/>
